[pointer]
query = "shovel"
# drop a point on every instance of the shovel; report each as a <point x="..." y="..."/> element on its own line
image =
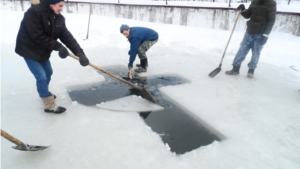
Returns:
<point x="133" y="80"/>
<point x="144" y="92"/>
<point x="20" y="145"/>
<point x="87" y="35"/>
<point x="130" y="77"/>
<point x="218" y="69"/>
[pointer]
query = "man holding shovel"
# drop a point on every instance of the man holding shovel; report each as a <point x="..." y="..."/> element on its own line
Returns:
<point x="141" y="40"/>
<point x="40" y="28"/>
<point x="262" y="15"/>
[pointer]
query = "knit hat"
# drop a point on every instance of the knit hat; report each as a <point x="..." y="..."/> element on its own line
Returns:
<point x="52" y="1"/>
<point x="124" y="27"/>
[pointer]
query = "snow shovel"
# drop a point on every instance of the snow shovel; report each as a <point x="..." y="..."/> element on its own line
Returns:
<point x="217" y="70"/>
<point x="21" y="145"/>
<point x="133" y="80"/>
<point x="144" y="92"/>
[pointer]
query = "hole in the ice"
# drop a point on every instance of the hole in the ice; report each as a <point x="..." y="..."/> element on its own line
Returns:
<point x="176" y="126"/>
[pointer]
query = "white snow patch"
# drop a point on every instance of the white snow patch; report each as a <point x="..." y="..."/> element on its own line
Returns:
<point x="130" y="104"/>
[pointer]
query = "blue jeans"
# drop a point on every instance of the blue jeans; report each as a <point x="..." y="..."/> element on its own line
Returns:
<point x="42" y="73"/>
<point x="250" y="41"/>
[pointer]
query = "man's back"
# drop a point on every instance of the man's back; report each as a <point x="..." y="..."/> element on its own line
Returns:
<point x="144" y="34"/>
<point x="262" y="14"/>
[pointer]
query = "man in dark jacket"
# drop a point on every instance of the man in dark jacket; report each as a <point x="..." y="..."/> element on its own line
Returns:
<point x="262" y="15"/>
<point x="40" y="28"/>
<point x="141" y="40"/>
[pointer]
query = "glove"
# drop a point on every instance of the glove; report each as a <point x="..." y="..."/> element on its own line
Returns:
<point x="241" y="7"/>
<point x="263" y="40"/>
<point x="62" y="52"/>
<point x="84" y="61"/>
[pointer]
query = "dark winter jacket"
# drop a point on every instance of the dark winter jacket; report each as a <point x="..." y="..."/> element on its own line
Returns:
<point x="262" y="14"/>
<point x="137" y="36"/>
<point x="39" y="31"/>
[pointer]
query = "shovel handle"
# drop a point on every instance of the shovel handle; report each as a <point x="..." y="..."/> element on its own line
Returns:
<point x="108" y="73"/>
<point x="12" y="139"/>
<point x="237" y="18"/>
<point x="87" y="35"/>
<point x="130" y="72"/>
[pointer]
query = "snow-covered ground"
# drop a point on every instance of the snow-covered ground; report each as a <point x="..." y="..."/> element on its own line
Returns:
<point x="259" y="117"/>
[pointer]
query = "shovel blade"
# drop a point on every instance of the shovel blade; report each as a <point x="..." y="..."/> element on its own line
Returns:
<point x="214" y="72"/>
<point x="30" y="148"/>
<point x="145" y="94"/>
<point x="133" y="80"/>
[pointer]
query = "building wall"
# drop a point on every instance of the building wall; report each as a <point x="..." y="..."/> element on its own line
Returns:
<point x="198" y="17"/>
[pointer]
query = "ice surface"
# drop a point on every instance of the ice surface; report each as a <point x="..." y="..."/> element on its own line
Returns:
<point x="259" y="117"/>
<point x="130" y="104"/>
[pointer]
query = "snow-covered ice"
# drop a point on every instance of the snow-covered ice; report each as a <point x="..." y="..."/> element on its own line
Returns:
<point x="130" y="104"/>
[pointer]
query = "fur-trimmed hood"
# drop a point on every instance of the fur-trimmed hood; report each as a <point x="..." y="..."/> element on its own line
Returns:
<point x="39" y="5"/>
<point x="35" y="2"/>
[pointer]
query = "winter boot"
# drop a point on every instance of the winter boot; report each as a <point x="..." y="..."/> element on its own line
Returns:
<point x="235" y="71"/>
<point x="140" y="65"/>
<point x="143" y="68"/>
<point x="50" y="106"/>
<point x="140" y="70"/>
<point x="250" y="73"/>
